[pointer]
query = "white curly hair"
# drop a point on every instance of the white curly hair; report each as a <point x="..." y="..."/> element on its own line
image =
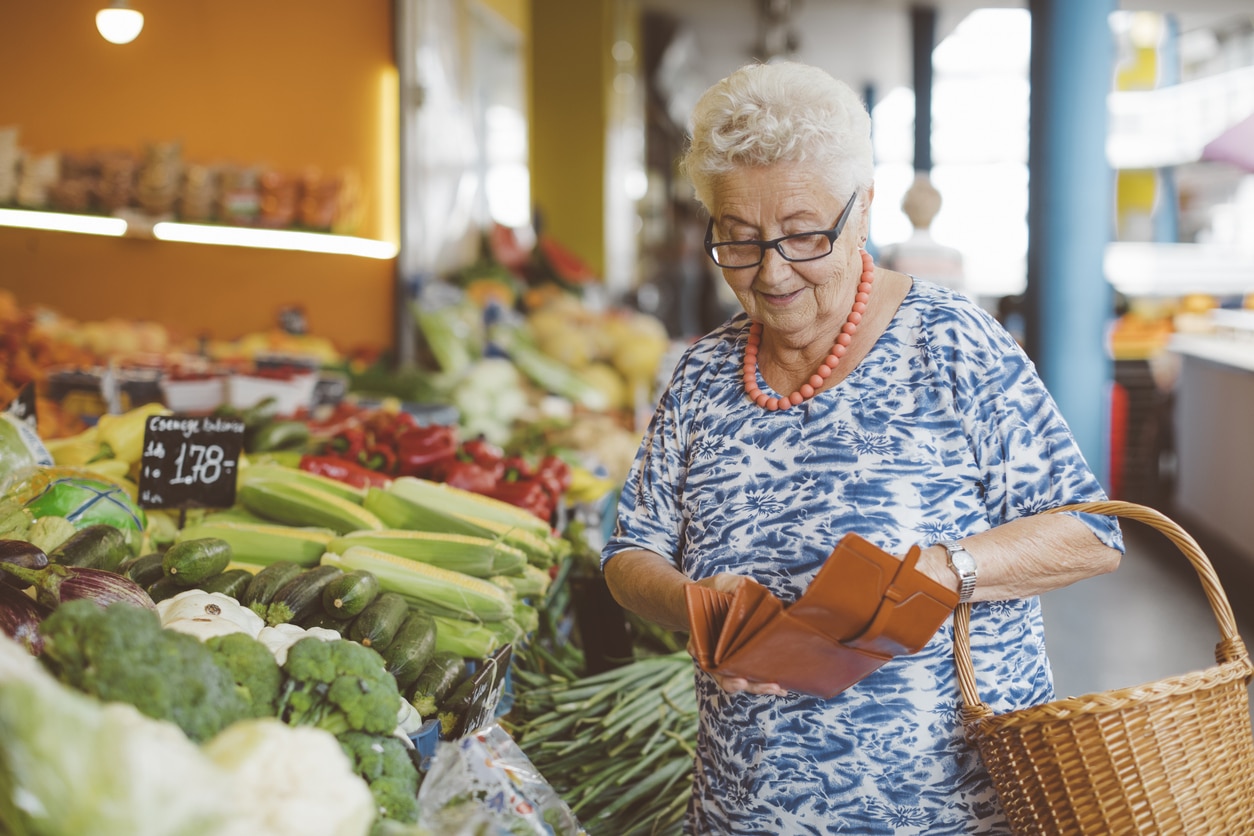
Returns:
<point x="780" y="112"/>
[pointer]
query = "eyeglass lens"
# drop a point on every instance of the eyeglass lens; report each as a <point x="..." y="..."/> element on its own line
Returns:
<point x="797" y="248"/>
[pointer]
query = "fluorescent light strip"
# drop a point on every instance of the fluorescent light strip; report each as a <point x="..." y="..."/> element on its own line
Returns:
<point x="61" y="222"/>
<point x="276" y="239"/>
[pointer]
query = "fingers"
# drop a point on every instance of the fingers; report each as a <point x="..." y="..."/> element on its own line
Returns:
<point x="734" y="684"/>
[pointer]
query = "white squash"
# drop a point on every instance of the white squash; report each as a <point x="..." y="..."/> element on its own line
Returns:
<point x="207" y="614"/>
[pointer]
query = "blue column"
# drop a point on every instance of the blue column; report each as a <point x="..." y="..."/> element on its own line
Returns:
<point x="922" y="42"/>
<point x="1166" y="210"/>
<point x="1070" y="215"/>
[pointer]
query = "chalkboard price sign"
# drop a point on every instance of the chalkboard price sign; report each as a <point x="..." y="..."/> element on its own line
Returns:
<point x="190" y="462"/>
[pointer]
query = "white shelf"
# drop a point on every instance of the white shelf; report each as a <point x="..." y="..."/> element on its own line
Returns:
<point x="232" y="236"/>
<point x="1144" y="269"/>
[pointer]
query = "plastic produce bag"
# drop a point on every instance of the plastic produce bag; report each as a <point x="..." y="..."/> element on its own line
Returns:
<point x="20" y="449"/>
<point x="484" y="784"/>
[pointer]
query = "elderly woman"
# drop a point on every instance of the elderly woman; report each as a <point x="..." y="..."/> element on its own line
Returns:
<point x="845" y="398"/>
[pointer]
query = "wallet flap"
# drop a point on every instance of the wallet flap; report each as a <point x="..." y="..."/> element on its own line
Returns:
<point x="844" y="596"/>
<point x="800" y="658"/>
<point x="913" y="609"/>
<point x="707" y="611"/>
<point x="753" y="607"/>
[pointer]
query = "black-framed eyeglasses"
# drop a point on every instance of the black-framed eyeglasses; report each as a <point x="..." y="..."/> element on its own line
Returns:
<point x="800" y="246"/>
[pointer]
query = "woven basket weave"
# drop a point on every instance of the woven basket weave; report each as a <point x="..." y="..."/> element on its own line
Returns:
<point x="1174" y="756"/>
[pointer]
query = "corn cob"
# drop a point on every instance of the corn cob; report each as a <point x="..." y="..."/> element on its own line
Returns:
<point x="530" y="582"/>
<point x="453" y="500"/>
<point x="429" y="588"/>
<point x="474" y="641"/>
<point x="474" y="556"/>
<point x="298" y="504"/>
<point x="401" y="512"/>
<point x="277" y="472"/>
<point x="262" y="545"/>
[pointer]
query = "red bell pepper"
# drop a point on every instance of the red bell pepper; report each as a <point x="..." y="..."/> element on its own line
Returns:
<point x="518" y="468"/>
<point x="527" y="494"/>
<point x="379" y="456"/>
<point x="421" y="451"/>
<point x="343" y="470"/>
<point x="468" y="475"/>
<point x="348" y="443"/>
<point x="484" y="453"/>
<point x="555" y="475"/>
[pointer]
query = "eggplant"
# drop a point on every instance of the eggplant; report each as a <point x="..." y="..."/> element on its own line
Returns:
<point x="55" y="584"/>
<point x="20" y="553"/>
<point x="20" y="617"/>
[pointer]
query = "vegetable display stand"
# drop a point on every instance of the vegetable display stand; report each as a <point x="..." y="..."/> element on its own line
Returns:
<point x="1171" y="756"/>
<point x="602" y="625"/>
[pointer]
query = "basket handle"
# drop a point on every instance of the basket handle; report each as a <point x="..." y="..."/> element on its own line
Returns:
<point x="1229" y="649"/>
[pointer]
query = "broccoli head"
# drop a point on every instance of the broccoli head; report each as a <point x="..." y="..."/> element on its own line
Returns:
<point x="252" y="666"/>
<point x="121" y="654"/>
<point x="338" y="686"/>
<point x="384" y="763"/>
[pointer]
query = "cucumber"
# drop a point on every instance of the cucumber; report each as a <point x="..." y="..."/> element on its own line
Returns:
<point x="99" y="546"/>
<point x="145" y="570"/>
<point x="192" y="562"/>
<point x="379" y="621"/>
<point x="167" y="587"/>
<point x="232" y="582"/>
<point x="268" y="581"/>
<point x="442" y="673"/>
<point x="303" y="593"/>
<point x="410" y="649"/>
<point x="279" y="435"/>
<point x="347" y="596"/>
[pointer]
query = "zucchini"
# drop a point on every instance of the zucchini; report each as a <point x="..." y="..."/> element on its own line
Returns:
<point x="268" y="581"/>
<point x="192" y="562"/>
<point x="443" y="672"/>
<point x="346" y="596"/>
<point x="232" y="582"/>
<point x="379" y="621"/>
<point x="320" y="618"/>
<point x="303" y="593"/>
<point x="167" y="587"/>
<point x="145" y="570"/>
<point x="410" y="649"/>
<point x="99" y="546"/>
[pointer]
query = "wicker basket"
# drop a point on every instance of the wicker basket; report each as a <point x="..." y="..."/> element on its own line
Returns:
<point x="1172" y="756"/>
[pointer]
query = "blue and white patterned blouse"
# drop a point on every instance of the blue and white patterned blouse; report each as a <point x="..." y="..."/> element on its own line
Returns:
<point x="944" y="430"/>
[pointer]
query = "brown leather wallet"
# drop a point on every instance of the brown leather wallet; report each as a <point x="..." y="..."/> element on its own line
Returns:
<point x="863" y="608"/>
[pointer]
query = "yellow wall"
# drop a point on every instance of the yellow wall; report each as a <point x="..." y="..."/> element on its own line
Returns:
<point x="568" y="122"/>
<point x="288" y="83"/>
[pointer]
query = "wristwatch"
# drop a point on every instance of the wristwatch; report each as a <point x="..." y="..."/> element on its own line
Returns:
<point x="963" y="564"/>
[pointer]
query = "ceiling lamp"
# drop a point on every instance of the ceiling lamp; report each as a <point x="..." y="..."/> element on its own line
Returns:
<point x="119" y="24"/>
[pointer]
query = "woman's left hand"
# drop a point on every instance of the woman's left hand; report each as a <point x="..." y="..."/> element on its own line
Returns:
<point x="727" y="582"/>
<point x="734" y="684"/>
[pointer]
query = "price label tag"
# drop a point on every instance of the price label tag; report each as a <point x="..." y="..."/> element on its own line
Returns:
<point x="190" y="462"/>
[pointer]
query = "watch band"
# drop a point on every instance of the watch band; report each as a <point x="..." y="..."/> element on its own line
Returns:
<point x="963" y="564"/>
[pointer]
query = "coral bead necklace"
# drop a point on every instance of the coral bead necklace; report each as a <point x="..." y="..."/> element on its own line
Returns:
<point x="824" y="371"/>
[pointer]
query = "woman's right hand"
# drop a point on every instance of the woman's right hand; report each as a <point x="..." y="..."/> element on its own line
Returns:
<point x="728" y="582"/>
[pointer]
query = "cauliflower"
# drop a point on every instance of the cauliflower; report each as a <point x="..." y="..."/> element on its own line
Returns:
<point x="294" y="781"/>
<point x="73" y="766"/>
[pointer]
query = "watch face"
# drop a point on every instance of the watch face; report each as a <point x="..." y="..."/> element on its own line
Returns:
<point x="963" y="562"/>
